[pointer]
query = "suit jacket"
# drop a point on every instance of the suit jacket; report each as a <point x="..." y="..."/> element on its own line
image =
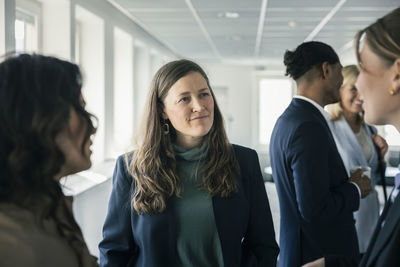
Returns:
<point x="316" y="201"/>
<point x="243" y="222"/>
<point x="353" y="155"/>
<point x="384" y="248"/>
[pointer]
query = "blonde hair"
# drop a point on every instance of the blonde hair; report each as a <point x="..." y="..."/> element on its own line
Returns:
<point x="383" y="37"/>
<point x="350" y="74"/>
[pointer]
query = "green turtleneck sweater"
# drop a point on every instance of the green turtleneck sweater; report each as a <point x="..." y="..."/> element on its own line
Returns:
<point x="198" y="242"/>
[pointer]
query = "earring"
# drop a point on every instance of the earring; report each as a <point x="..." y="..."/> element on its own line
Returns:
<point x="391" y="91"/>
<point x="165" y="128"/>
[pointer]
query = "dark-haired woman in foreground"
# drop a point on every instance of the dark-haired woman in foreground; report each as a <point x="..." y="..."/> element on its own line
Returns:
<point x="44" y="135"/>
<point x="187" y="197"/>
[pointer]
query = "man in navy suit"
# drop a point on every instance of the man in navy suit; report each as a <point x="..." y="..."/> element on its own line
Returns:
<point x="317" y="198"/>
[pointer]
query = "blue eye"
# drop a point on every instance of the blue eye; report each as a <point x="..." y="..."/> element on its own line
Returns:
<point x="204" y="94"/>
<point x="184" y="99"/>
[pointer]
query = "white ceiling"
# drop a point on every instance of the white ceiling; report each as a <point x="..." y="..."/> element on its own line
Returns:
<point x="200" y="29"/>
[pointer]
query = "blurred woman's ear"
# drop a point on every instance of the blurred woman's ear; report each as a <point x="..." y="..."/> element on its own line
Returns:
<point x="396" y="79"/>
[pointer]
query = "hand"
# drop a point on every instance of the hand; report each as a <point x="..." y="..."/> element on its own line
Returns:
<point x="317" y="263"/>
<point x="363" y="182"/>
<point x="380" y="142"/>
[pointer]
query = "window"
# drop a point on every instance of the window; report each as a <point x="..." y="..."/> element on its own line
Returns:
<point x="91" y="58"/>
<point x="391" y="135"/>
<point x="78" y="42"/>
<point x="274" y="96"/>
<point x="19" y="35"/>
<point x="123" y="93"/>
<point x="26" y="32"/>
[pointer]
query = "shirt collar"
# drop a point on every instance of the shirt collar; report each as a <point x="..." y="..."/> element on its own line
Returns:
<point x="315" y="104"/>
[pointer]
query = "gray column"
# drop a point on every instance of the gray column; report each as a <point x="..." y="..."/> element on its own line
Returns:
<point x="109" y="89"/>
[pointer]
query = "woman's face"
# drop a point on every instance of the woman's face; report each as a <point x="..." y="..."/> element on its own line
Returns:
<point x="189" y="106"/>
<point x="374" y="83"/>
<point x="70" y="142"/>
<point x="350" y="98"/>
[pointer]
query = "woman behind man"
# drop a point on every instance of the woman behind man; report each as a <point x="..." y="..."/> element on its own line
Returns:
<point x="44" y="135"/>
<point x="187" y="197"/>
<point x="378" y="53"/>
<point x="356" y="143"/>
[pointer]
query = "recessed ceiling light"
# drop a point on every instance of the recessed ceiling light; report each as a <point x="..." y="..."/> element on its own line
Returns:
<point x="229" y="15"/>
<point x="292" y="24"/>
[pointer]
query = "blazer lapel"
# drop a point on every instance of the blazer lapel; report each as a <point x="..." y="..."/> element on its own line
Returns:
<point x="392" y="219"/>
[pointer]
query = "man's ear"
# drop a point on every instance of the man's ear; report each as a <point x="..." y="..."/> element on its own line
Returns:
<point x="325" y="70"/>
<point x="396" y="77"/>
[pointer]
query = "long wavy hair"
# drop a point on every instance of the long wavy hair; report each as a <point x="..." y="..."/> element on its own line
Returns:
<point x="153" y="165"/>
<point x="36" y="95"/>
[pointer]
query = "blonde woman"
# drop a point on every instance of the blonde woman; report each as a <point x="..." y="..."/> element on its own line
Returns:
<point x="187" y="197"/>
<point x="356" y="143"/>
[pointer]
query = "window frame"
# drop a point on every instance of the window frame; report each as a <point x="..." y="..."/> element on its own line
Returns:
<point x="256" y="121"/>
<point x="32" y="8"/>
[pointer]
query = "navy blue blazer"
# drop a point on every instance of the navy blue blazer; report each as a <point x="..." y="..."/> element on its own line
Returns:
<point x="243" y="221"/>
<point x="316" y="201"/>
<point x="384" y="247"/>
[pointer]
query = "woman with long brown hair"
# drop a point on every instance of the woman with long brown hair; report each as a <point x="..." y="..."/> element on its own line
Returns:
<point x="44" y="135"/>
<point x="186" y="196"/>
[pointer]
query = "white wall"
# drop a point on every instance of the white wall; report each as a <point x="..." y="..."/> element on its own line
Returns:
<point x="92" y="64"/>
<point x="348" y="57"/>
<point x="7" y="28"/>
<point x="123" y="92"/>
<point x="56" y="28"/>
<point x="142" y="80"/>
<point x="2" y="27"/>
<point x="239" y="83"/>
<point x="156" y="62"/>
<point x="90" y="210"/>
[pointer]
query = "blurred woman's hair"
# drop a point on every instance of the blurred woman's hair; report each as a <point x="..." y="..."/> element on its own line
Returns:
<point x="383" y="37"/>
<point x="350" y="74"/>
<point x="36" y="94"/>
<point x="153" y="166"/>
<point x="306" y="56"/>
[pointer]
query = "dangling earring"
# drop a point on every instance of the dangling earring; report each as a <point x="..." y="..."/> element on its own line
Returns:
<point x="165" y="128"/>
<point x="391" y="91"/>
